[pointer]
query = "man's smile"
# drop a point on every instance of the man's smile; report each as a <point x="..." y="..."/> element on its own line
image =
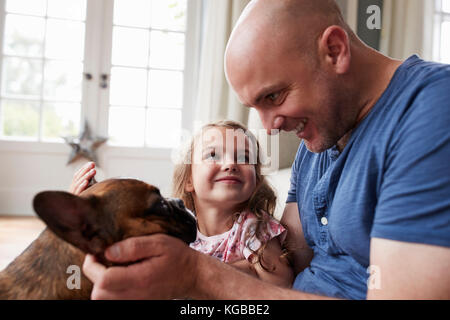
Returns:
<point x="300" y="128"/>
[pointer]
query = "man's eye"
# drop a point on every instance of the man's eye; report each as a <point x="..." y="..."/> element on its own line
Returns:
<point x="273" y="96"/>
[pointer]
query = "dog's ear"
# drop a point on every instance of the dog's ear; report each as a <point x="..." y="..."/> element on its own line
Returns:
<point x="69" y="217"/>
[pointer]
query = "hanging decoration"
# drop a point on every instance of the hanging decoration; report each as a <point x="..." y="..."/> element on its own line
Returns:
<point x="84" y="146"/>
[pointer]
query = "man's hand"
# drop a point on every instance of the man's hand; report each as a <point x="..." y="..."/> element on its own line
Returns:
<point x="166" y="269"/>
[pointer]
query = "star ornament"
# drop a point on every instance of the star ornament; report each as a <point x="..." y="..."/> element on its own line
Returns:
<point x="84" y="146"/>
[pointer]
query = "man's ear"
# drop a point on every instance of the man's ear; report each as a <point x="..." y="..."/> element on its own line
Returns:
<point x="334" y="49"/>
<point x="71" y="218"/>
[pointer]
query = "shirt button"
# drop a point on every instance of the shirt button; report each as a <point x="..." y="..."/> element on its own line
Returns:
<point x="324" y="221"/>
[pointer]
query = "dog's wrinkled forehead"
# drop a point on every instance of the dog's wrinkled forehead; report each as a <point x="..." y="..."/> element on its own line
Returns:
<point x="123" y="189"/>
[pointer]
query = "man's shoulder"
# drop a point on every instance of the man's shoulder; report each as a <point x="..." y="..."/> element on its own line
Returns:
<point x="426" y="98"/>
<point x="425" y="78"/>
<point x="418" y="93"/>
<point x="416" y="75"/>
<point x="424" y="71"/>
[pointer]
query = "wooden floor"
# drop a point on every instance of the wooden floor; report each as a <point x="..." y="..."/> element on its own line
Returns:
<point x="16" y="233"/>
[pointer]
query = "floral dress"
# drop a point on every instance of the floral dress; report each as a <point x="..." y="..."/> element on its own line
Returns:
<point x="240" y="241"/>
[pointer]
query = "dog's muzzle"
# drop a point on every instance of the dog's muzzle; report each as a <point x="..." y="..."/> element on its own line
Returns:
<point x="183" y="222"/>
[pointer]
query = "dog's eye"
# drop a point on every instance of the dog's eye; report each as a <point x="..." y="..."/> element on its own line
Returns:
<point x="159" y="208"/>
<point x="163" y="205"/>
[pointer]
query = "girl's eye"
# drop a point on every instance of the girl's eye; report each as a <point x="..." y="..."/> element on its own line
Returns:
<point x="211" y="156"/>
<point x="241" y="159"/>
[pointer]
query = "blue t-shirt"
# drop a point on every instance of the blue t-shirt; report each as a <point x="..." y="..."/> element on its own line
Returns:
<point x="392" y="181"/>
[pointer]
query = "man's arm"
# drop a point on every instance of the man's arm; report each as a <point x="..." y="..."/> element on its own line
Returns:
<point x="202" y="277"/>
<point x="401" y="270"/>
<point x="300" y="254"/>
<point x="217" y="280"/>
<point x="169" y="269"/>
<point x="413" y="202"/>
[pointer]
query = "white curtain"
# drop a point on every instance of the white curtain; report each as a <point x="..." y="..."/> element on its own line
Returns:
<point x="215" y="99"/>
<point x="407" y="28"/>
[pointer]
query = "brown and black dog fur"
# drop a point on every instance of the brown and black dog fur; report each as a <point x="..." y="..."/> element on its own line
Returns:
<point x="103" y="214"/>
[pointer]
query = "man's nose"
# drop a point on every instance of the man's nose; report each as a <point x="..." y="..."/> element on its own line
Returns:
<point x="273" y="125"/>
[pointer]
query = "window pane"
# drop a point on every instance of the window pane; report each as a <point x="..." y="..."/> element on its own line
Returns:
<point x="163" y="128"/>
<point x="446" y="6"/>
<point x="128" y="86"/>
<point x="126" y="126"/>
<point x="165" y="89"/>
<point x="65" y="40"/>
<point x="130" y="47"/>
<point x="445" y="42"/>
<point x="20" y="119"/>
<point x="164" y="42"/>
<point x="60" y="120"/>
<point x="69" y="9"/>
<point x="133" y="13"/>
<point x="63" y="80"/>
<point x="35" y="7"/>
<point x="22" y="77"/>
<point x="169" y="14"/>
<point x="24" y="35"/>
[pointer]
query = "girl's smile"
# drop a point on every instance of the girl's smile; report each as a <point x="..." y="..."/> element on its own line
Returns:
<point x="221" y="171"/>
<point x="229" y="180"/>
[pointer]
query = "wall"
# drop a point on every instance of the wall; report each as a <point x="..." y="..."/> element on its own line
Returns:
<point x="27" y="168"/>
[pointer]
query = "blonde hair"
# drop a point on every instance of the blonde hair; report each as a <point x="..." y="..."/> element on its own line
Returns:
<point x="263" y="198"/>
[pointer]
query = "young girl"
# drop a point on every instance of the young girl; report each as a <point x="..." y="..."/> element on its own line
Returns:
<point x="219" y="179"/>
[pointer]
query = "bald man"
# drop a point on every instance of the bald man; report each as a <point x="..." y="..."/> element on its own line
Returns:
<point x="368" y="212"/>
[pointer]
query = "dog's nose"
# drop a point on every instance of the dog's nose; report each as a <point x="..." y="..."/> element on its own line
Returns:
<point x="178" y="203"/>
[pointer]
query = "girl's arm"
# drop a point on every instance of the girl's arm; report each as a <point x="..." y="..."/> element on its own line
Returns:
<point x="279" y="271"/>
<point x="81" y="178"/>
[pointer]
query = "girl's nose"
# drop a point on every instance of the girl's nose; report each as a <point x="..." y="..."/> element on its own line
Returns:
<point x="232" y="167"/>
<point x="229" y="164"/>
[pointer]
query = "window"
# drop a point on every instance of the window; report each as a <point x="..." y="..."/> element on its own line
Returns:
<point x="441" y="51"/>
<point x="147" y="72"/>
<point x="60" y="65"/>
<point x="42" y="67"/>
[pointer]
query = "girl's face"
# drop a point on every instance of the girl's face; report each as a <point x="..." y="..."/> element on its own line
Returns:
<point x="223" y="168"/>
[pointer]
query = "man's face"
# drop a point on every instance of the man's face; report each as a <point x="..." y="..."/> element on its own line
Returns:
<point x="292" y="93"/>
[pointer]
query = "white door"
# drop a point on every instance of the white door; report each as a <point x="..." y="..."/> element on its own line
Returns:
<point x="127" y="67"/>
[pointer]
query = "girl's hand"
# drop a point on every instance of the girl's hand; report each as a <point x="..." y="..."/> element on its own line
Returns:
<point x="82" y="177"/>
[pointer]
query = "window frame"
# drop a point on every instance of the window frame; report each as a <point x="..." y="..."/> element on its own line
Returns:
<point x="97" y="61"/>
<point x="439" y="16"/>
